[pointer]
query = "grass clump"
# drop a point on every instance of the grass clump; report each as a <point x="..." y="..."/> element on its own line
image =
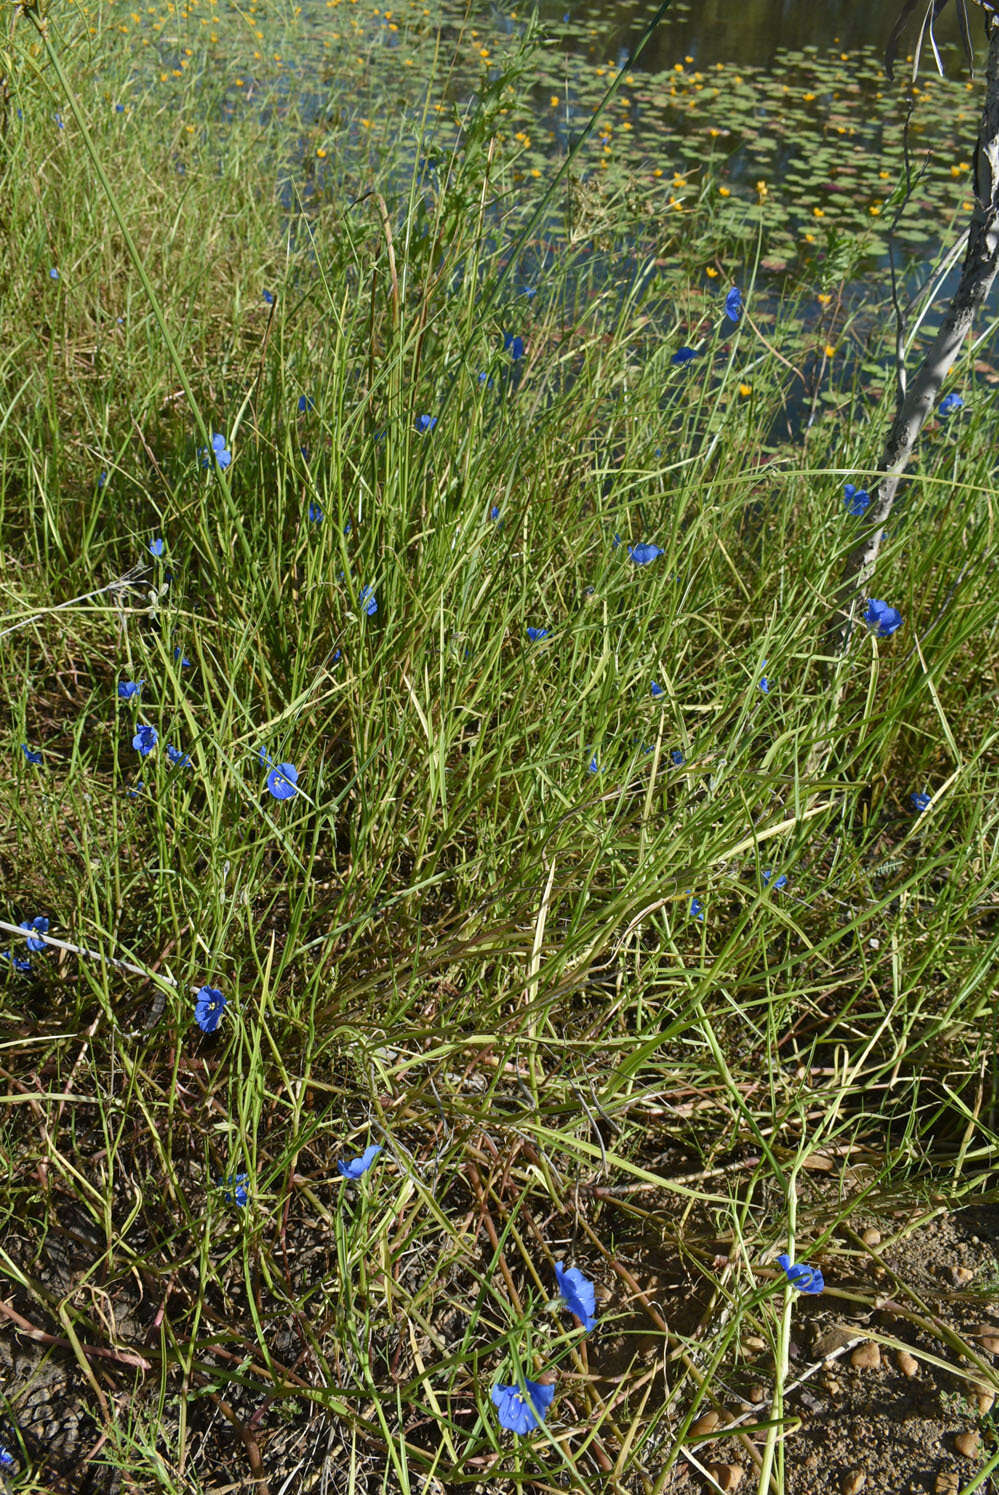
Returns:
<point x="411" y="663"/>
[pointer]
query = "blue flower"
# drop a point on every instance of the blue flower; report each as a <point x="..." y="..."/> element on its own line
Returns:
<point x="779" y="882"/>
<point x="145" y="740"/>
<point x="856" y="499"/>
<point x="886" y="619"/>
<point x="494" y="512"/>
<point x="268" y="298"/>
<point x="235" y="1189"/>
<point x="6" y="1458"/>
<point x="185" y="663"/>
<point x="518" y="1415"/>
<point x="360" y="1165"/>
<point x="513" y="345"/>
<point x="156" y="547"/>
<point x="656" y="690"/>
<point x="31" y="756"/>
<point x="535" y="633"/>
<point x="485" y="379"/>
<point x="529" y="291"/>
<point x="644" y="553"/>
<point x="53" y="273"/>
<point x="315" y="514"/>
<point x="685" y="355"/>
<point x="920" y="802"/>
<point x="733" y="304"/>
<point x="579" y="1294"/>
<point x="177" y="758"/>
<point x="696" y="910"/>
<point x="134" y="793"/>
<point x="951" y="402"/>
<point x="676" y="758"/>
<point x="305" y="402"/>
<point x="368" y="601"/>
<point x="34" y="929"/>
<point x="102" y="478"/>
<point x="209" y="1005"/>
<point x="281" y="781"/>
<point x="426" y="422"/>
<point x="218" y="451"/>
<point x="593" y="766"/>
<point x="119" y="108"/>
<point x="764" y="682"/>
<point x="805" y="1279"/>
<point x="17" y="961"/>
<point x="129" y="688"/>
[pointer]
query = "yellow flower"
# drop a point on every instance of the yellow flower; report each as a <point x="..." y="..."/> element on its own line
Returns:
<point x="761" y="190"/>
<point x="809" y="98"/>
<point x="678" y="180"/>
<point x="808" y="238"/>
<point x="745" y="390"/>
<point x="711" y="272"/>
<point x="320" y="152"/>
<point x="959" y="169"/>
<point x="884" y="176"/>
<point x="875" y="210"/>
<point x="724" y="192"/>
<point x="824" y="298"/>
<point x="967" y="206"/>
<point x="554" y="101"/>
<point x="535" y="171"/>
<point x="714" y="133"/>
<point x="829" y="350"/>
<point x="657" y="171"/>
<point x="675" y="202"/>
<point x="818" y="212"/>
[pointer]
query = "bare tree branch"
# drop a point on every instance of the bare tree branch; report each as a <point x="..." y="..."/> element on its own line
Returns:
<point x="981" y="262"/>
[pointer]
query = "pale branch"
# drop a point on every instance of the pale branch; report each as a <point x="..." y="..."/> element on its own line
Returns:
<point x="981" y="262"/>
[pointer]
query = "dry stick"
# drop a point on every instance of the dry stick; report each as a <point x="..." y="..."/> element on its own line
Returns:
<point x="981" y="262"/>
<point x="111" y="960"/>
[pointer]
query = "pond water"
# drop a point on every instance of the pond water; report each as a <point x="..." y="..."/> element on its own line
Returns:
<point x="753" y="32"/>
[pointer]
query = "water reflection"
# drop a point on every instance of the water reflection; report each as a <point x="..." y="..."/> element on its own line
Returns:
<point x="752" y="32"/>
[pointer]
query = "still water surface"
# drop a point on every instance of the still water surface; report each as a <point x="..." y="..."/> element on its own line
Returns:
<point x="754" y="32"/>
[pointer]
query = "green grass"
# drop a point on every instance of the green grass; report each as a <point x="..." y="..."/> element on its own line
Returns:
<point x="455" y="940"/>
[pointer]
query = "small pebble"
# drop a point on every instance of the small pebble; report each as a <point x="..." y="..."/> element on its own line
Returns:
<point x="871" y="1237"/>
<point x="853" y="1482"/>
<point x="753" y="1342"/>
<point x="947" y="1483"/>
<point x="988" y="1337"/>
<point x="962" y="1275"/>
<point x="907" y="1364"/>
<point x="983" y="1398"/>
<point x="757" y="1394"/>
<point x="866" y="1356"/>
<point x="727" y="1476"/>
<point x="969" y="1444"/>
<point x="705" y="1424"/>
